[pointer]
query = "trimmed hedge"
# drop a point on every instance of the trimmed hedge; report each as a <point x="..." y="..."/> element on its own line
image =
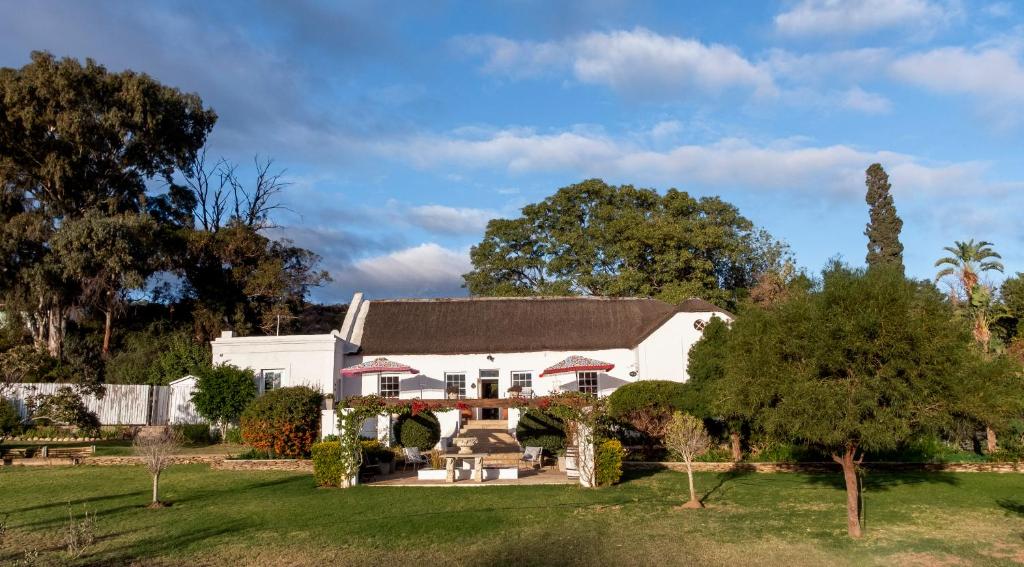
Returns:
<point x="193" y="433"/>
<point x="538" y="428"/>
<point x="327" y="465"/>
<point x="608" y="462"/>
<point x="284" y="422"/>
<point x="422" y="430"/>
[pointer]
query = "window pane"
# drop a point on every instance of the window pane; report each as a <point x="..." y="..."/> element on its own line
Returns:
<point x="389" y="386"/>
<point x="455" y="382"/>
<point x="271" y="379"/>
<point x="524" y="379"/>
<point x="488" y="373"/>
<point x="586" y="382"/>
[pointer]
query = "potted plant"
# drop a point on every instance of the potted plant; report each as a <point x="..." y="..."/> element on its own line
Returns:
<point x="515" y="391"/>
<point x="452" y="392"/>
<point x="329" y="401"/>
<point x="561" y="460"/>
<point x="437" y="467"/>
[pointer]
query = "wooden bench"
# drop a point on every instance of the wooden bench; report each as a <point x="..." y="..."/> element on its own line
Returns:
<point x="75" y="454"/>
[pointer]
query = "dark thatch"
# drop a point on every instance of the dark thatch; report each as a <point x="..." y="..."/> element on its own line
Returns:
<point x="489" y="325"/>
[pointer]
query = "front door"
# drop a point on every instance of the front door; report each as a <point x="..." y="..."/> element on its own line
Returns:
<point x="489" y="391"/>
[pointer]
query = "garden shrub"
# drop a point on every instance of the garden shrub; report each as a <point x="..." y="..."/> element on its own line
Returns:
<point x="10" y="420"/>
<point x="608" y="462"/>
<point x="538" y="428"/>
<point x="647" y="407"/>
<point x="64" y="407"/>
<point x="193" y="433"/>
<point x="327" y="463"/>
<point x="233" y="435"/>
<point x="283" y="422"/>
<point x="375" y="452"/>
<point x="422" y="430"/>
<point x="223" y="392"/>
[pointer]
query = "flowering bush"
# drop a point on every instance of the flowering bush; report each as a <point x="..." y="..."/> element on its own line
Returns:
<point x="284" y="422"/>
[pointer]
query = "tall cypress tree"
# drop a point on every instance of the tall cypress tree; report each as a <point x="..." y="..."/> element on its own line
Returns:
<point x="883" y="230"/>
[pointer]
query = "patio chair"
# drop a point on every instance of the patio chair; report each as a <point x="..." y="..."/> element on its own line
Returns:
<point x="533" y="456"/>
<point x="414" y="458"/>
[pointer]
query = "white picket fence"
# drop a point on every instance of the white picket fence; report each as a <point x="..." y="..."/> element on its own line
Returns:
<point x="122" y="404"/>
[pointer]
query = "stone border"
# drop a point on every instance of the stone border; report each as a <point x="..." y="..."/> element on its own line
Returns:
<point x="300" y="465"/>
<point x="882" y="466"/>
<point x="114" y="460"/>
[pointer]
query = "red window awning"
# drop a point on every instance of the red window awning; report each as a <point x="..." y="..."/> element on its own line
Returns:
<point x="577" y="363"/>
<point x="378" y="365"/>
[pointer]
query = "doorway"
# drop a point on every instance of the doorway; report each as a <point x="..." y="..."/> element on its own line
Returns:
<point x="489" y="391"/>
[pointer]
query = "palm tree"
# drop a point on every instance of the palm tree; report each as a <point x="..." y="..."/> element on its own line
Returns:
<point x="968" y="260"/>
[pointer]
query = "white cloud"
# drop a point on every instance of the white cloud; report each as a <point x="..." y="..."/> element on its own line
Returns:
<point x="864" y="101"/>
<point x="638" y="62"/>
<point x="450" y="220"/>
<point x="827" y="67"/>
<point x="851" y="17"/>
<point x="993" y="73"/>
<point x="730" y="162"/>
<point x="427" y="270"/>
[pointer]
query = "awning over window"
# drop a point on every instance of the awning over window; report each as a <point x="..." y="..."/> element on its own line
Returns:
<point x="577" y="363"/>
<point x="377" y="365"/>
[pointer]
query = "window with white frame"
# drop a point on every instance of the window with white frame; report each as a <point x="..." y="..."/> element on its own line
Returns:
<point x="271" y="379"/>
<point x="586" y="382"/>
<point x="388" y="387"/>
<point x="522" y="379"/>
<point x="455" y="382"/>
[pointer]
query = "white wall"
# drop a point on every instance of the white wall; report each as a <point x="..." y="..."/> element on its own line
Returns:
<point x="180" y="408"/>
<point x="664" y="354"/>
<point x="310" y="360"/>
<point x="430" y="382"/>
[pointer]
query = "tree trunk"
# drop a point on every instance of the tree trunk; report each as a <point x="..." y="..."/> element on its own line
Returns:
<point x="108" y="319"/>
<point x="55" y="331"/>
<point x="849" y="465"/>
<point x="156" y="485"/>
<point x="689" y="475"/>
<point x="990" y="439"/>
<point x="737" y="449"/>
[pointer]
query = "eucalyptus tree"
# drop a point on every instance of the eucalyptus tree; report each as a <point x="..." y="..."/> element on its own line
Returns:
<point x="592" y="238"/>
<point x="77" y="139"/>
<point x="860" y="364"/>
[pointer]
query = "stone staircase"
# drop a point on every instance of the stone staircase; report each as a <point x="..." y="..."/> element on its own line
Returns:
<point x="492" y="437"/>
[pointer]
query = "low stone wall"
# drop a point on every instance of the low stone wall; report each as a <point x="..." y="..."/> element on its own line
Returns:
<point x="112" y="461"/>
<point x="300" y="465"/>
<point x="826" y="467"/>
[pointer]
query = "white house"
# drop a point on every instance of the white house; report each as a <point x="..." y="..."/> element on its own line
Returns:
<point x="481" y="347"/>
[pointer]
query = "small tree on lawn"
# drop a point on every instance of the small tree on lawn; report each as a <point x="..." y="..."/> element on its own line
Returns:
<point x="686" y="435"/>
<point x="222" y="392"/>
<point x="861" y="364"/>
<point x="156" y="451"/>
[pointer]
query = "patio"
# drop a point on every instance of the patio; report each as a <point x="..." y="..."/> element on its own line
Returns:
<point x="527" y="477"/>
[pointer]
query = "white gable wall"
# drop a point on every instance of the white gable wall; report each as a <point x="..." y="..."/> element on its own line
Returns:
<point x="664" y="354"/>
<point x="310" y="360"/>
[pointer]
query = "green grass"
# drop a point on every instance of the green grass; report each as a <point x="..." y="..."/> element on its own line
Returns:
<point x="264" y="518"/>
<point x="120" y="448"/>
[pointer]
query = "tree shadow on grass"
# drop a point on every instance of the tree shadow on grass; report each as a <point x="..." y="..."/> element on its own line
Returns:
<point x="724" y="479"/>
<point x="193" y="495"/>
<point x="166" y="544"/>
<point x="1011" y="506"/>
<point x="881" y="480"/>
<point x="80" y="501"/>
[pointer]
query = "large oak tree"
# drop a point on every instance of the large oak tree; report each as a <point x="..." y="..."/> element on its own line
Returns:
<point x="592" y="238"/>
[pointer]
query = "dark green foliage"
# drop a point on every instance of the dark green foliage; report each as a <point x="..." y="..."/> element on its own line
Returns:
<point x="537" y="428"/>
<point x="646" y="406"/>
<point x="375" y="452"/>
<point x="233" y="435"/>
<point x="285" y="421"/>
<point x="421" y="430"/>
<point x="883" y="230"/>
<point x="608" y="462"/>
<point x="152" y="357"/>
<point x="706" y="368"/>
<point x="327" y="463"/>
<point x="599" y="239"/>
<point x="64" y="407"/>
<point x="222" y="392"/>
<point x="10" y="420"/>
<point x="193" y="433"/>
<point x="869" y="359"/>
<point x="1012" y="292"/>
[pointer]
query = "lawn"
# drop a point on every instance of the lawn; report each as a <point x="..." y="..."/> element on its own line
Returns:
<point x="263" y="518"/>
<point x="120" y="447"/>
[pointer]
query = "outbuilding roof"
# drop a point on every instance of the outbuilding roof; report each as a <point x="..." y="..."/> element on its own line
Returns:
<point x="524" y="324"/>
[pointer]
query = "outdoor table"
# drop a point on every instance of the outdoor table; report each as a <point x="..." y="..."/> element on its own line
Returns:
<point x="450" y="460"/>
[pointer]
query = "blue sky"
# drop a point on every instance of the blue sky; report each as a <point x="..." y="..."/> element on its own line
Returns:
<point x="405" y="126"/>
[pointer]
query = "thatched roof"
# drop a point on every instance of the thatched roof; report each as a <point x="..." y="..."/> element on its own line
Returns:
<point x="489" y="325"/>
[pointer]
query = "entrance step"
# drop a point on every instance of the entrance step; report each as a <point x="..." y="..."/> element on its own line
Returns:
<point x="488" y="424"/>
